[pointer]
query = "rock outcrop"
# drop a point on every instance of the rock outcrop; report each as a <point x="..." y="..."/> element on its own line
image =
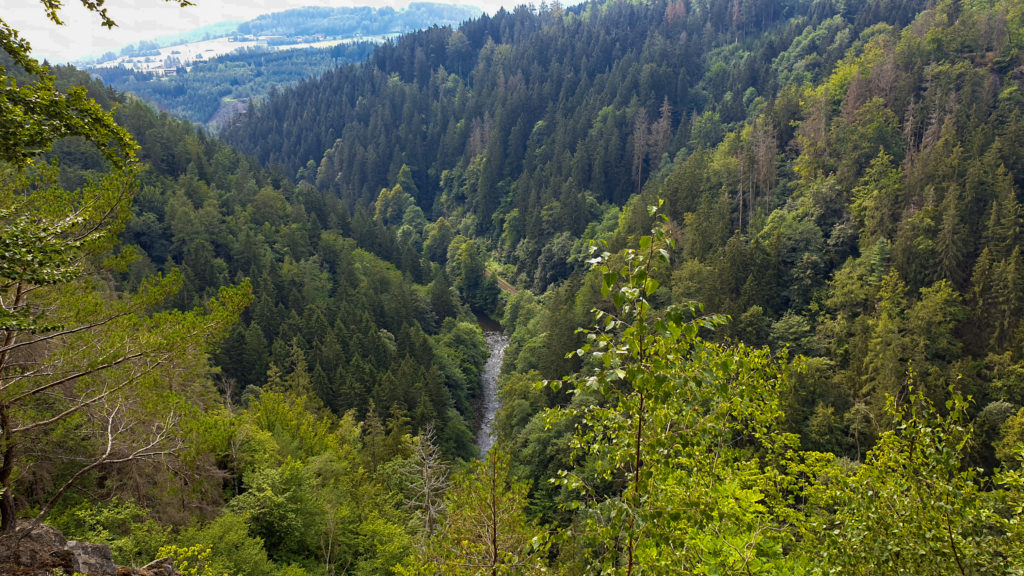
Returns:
<point x="44" y="551"/>
<point x="92" y="559"/>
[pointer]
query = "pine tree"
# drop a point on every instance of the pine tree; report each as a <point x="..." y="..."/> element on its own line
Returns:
<point x="951" y="240"/>
<point x="885" y="364"/>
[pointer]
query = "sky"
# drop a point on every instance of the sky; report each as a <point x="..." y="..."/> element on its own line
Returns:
<point x="83" y="37"/>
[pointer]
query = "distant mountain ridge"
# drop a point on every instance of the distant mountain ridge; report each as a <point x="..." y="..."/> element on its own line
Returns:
<point x="210" y="74"/>
<point x="364" y="20"/>
<point x="310" y="21"/>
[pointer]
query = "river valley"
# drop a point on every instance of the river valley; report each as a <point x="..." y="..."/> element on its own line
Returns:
<point x="497" y="341"/>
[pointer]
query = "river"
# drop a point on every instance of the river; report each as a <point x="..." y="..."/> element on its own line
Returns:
<point x="497" y="341"/>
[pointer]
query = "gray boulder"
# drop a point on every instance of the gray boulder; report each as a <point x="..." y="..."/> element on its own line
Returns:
<point x="93" y="559"/>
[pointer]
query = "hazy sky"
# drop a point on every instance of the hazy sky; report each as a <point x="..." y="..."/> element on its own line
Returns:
<point x="82" y="35"/>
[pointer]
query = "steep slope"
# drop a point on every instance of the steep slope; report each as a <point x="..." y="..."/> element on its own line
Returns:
<point x="357" y="331"/>
<point x="867" y="216"/>
<point x="525" y="127"/>
<point x="844" y="179"/>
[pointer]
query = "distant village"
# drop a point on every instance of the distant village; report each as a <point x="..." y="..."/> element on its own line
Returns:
<point x="174" y="60"/>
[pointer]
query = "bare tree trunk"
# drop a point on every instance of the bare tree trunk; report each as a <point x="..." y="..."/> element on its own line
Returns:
<point x="8" y="520"/>
<point x="641" y="141"/>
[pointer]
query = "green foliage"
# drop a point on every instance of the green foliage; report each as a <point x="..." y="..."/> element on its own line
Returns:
<point x="1010" y="441"/>
<point x="97" y="353"/>
<point x="35" y="114"/>
<point x="924" y="511"/>
<point x="305" y="504"/>
<point x="192" y="561"/>
<point x="391" y="205"/>
<point x="133" y="538"/>
<point x="478" y="288"/>
<point x="668" y="423"/>
<point x="279" y="509"/>
<point x="876" y="200"/>
<point x="486" y="529"/>
<point x="680" y="463"/>
<point x="48" y="233"/>
<point x="231" y="548"/>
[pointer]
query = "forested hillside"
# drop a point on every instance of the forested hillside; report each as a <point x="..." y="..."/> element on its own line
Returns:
<point x="765" y="311"/>
<point x="842" y="180"/>
<point x="325" y="294"/>
<point x="213" y="91"/>
<point x="531" y="125"/>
